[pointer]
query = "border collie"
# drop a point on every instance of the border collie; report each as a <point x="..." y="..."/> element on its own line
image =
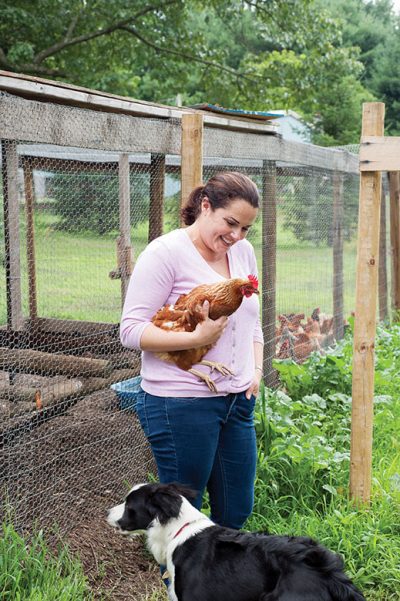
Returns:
<point x="206" y="562"/>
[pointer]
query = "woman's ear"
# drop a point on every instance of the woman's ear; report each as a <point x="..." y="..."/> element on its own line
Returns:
<point x="205" y="203"/>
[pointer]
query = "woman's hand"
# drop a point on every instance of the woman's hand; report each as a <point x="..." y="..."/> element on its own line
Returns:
<point x="209" y="331"/>
<point x="254" y="387"/>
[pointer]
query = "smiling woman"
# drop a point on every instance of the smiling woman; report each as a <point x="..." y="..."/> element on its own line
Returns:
<point x="219" y="215"/>
<point x="201" y="437"/>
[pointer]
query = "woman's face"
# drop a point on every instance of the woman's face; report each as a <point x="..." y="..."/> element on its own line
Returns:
<point x="222" y="228"/>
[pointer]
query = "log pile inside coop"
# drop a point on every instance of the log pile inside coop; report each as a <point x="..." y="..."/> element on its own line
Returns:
<point x="32" y="380"/>
<point x="72" y="465"/>
<point x="297" y="336"/>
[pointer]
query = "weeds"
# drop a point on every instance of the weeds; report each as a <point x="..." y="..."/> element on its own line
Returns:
<point x="303" y="434"/>
<point x="28" y="572"/>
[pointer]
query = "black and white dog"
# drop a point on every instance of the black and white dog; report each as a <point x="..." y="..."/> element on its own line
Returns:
<point x="206" y="562"/>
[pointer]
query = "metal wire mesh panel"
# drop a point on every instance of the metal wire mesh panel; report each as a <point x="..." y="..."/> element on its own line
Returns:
<point x="73" y="220"/>
<point x="305" y="243"/>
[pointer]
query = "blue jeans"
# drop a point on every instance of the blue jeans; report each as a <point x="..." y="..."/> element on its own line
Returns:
<point x="205" y="442"/>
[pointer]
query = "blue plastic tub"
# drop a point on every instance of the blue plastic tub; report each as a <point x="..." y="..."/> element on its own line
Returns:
<point x="127" y="391"/>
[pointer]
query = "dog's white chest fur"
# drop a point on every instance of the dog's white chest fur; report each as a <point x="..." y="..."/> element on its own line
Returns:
<point x="163" y="540"/>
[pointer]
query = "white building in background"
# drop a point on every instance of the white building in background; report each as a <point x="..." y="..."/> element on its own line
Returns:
<point x="292" y="126"/>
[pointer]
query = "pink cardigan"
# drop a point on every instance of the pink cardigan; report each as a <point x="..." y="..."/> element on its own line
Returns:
<point x="170" y="266"/>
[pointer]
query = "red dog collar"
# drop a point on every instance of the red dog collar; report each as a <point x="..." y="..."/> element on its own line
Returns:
<point x="180" y="530"/>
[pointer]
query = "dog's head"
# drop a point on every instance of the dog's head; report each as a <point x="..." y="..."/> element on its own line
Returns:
<point x="147" y="502"/>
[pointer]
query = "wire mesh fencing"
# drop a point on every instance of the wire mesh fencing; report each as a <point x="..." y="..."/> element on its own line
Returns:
<point x="82" y="195"/>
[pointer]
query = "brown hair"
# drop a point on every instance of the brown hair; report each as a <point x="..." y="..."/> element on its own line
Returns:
<point x="220" y="190"/>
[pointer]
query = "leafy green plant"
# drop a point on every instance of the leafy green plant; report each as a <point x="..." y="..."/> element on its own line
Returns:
<point x="303" y="434"/>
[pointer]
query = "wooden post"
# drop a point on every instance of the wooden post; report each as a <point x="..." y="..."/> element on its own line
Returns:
<point x="269" y="269"/>
<point x="124" y="250"/>
<point x="30" y="237"/>
<point x="382" y="278"/>
<point x="338" y="217"/>
<point x="394" y="185"/>
<point x="191" y="154"/>
<point x="156" y="209"/>
<point x="11" y="235"/>
<point x="365" y="317"/>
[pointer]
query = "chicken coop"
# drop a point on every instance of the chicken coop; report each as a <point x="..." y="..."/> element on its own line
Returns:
<point x="88" y="179"/>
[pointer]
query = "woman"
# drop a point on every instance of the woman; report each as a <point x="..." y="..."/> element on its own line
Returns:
<point x="199" y="438"/>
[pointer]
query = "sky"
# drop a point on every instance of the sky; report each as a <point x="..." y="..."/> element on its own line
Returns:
<point x="396" y="5"/>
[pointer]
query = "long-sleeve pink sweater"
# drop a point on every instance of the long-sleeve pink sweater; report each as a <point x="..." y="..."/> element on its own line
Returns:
<point x="170" y="266"/>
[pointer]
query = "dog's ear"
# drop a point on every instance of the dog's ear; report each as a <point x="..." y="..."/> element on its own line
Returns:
<point x="165" y="502"/>
<point x="185" y="491"/>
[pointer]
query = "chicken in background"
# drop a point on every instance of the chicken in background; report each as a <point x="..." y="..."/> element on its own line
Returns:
<point x="297" y="340"/>
<point x="224" y="299"/>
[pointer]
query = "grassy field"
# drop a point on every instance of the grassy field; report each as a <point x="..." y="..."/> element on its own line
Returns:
<point x="73" y="280"/>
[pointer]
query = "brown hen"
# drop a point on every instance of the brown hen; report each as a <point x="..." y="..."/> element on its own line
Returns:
<point x="224" y="299"/>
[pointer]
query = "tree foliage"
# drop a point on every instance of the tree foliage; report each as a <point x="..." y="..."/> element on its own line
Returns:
<point x="372" y="28"/>
<point x="320" y="58"/>
<point x="89" y="202"/>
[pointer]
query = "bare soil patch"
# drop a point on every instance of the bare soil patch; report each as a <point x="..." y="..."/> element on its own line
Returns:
<point x="63" y="475"/>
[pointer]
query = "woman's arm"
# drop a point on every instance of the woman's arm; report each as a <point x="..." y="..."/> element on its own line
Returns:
<point x="149" y="288"/>
<point x="207" y="332"/>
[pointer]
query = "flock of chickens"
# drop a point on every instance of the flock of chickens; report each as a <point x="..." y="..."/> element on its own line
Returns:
<point x="296" y="339"/>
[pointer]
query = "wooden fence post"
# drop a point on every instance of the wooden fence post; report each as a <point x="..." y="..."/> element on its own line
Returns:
<point x="268" y="239"/>
<point x="156" y="209"/>
<point x="124" y="249"/>
<point x="30" y="237"/>
<point x="15" y="318"/>
<point x="365" y="316"/>
<point x="191" y="154"/>
<point x="338" y="217"/>
<point x="394" y="185"/>
<point x="382" y="278"/>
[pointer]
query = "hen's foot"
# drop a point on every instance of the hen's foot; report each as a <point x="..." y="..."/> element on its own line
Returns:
<point x="202" y="376"/>
<point x="225" y="371"/>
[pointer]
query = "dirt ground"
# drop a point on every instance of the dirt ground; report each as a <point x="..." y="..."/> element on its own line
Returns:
<point x="117" y="567"/>
<point x="64" y="474"/>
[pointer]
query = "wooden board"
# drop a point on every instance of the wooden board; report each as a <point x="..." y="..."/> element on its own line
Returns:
<point x="40" y="122"/>
<point x="192" y="154"/>
<point x="240" y="145"/>
<point x="67" y="94"/>
<point x="379" y="153"/>
<point x="365" y="316"/>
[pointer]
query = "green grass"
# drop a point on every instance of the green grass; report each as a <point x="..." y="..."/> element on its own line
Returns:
<point x="72" y="272"/>
<point x="29" y="572"/>
<point x="303" y="430"/>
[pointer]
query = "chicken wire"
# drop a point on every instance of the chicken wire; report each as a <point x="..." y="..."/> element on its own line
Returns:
<point x="68" y="442"/>
<point x="75" y="220"/>
<point x="314" y="290"/>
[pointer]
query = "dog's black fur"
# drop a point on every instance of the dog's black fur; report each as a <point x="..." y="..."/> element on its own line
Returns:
<point x="220" y="564"/>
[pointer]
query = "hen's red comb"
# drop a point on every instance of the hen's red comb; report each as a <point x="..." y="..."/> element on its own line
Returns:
<point x="253" y="280"/>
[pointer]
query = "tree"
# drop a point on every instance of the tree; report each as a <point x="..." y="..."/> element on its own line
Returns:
<point x="107" y="42"/>
<point x="374" y="29"/>
<point x="89" y="202"/>
<point x="252" y="54"/>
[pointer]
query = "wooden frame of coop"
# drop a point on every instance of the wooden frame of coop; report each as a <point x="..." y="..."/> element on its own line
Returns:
<point x="377" y="154"/>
